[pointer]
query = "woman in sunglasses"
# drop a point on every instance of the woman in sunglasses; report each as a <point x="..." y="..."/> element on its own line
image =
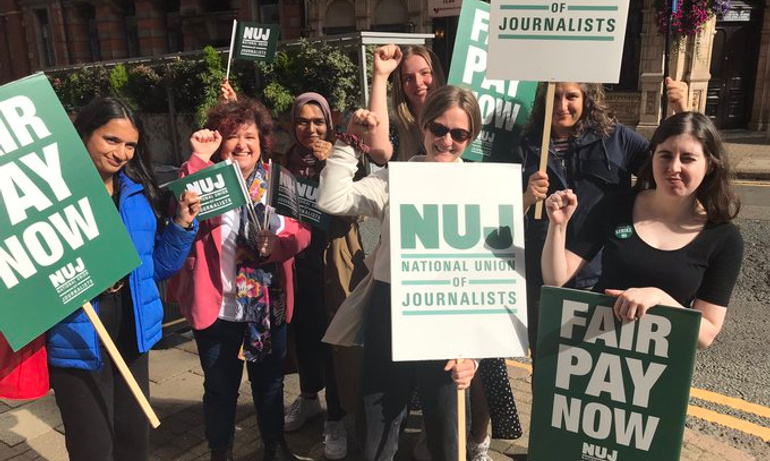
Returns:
<point x="416" y="73"/>
<point x="451" y="119"/>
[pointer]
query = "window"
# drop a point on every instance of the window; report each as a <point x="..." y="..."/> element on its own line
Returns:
<point x="340" y="18"/>
<point x="132" y="32"/>
<point x="391" y="16"/>
<point x="45" y="39"/>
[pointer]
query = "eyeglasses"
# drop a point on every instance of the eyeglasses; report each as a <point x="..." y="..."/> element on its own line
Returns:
<point x="305" y="123"/>
<point x="457" y="134"/>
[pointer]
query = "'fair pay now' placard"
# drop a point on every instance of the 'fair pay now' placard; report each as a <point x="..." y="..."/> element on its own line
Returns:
<point x="608" y="390"/>
<point x="63" y="241"/>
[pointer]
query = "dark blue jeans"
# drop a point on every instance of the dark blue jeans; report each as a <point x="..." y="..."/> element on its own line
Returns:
<point x="218" y="347"/>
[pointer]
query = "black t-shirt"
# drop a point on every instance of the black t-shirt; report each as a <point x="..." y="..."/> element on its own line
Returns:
<point x="706" y="268"/>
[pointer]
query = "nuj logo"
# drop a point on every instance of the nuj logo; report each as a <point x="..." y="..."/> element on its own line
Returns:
<point x="593" y="452"/>
<point x="486" y="136"/>
<point x="67" y="273"/>
<point x="207" y="185"/>
<point x="255" y="33"/>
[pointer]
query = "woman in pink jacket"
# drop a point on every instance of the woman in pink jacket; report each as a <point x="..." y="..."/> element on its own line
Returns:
<point x="237" y="289"/>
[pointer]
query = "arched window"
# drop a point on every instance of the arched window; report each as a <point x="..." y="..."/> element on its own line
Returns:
<point x="340" y="18"/>
<point x="391" y="16"/>
<point x="174" y="35"/>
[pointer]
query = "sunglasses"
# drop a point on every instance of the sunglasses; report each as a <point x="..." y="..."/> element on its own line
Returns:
<point x="457" y="134"/>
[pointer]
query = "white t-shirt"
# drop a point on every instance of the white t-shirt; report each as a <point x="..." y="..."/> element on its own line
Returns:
<point x="231" y="221"/>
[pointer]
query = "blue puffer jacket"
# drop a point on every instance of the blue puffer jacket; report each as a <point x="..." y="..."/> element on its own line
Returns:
<point x="595" y="166"/>
<point x="73" y="342"/>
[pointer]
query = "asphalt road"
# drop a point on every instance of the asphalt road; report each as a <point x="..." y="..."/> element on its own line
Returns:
<point x="738" y="363"/>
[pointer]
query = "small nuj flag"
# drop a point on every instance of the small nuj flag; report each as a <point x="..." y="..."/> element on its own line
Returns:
<point x="252" y="41"/>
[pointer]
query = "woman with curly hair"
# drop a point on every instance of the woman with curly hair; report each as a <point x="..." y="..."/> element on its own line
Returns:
<point x="237" y="287"/>
<point x="591" y="154"/>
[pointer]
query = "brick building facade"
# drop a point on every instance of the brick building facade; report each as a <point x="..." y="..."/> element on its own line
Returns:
<point x="727" y="66"/>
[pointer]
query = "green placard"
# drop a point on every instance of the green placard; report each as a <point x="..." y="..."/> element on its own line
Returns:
<point x="505" y="104"/>
<point x="296" y="198"/>
<point x="62" y="240"/>
<point x="220" y="187"/>
<point x="606" y="390"/>
<point x="256" y="42"/>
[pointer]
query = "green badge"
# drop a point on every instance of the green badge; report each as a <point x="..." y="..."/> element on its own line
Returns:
<point x="624" y="231"/>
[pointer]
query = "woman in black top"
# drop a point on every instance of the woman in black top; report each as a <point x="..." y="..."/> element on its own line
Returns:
<point x="670" y="241"/>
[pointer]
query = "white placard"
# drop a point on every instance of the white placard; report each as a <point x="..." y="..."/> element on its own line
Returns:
<point x="442" y="8"/>
<point x="552" y="41"/>
<point x="457" y="261"/>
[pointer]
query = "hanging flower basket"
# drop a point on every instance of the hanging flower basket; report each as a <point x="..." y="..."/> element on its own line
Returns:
<point x="690" y="16"/>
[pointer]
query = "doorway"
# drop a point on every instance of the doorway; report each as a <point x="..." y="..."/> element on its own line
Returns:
<point x="734" y="66"/>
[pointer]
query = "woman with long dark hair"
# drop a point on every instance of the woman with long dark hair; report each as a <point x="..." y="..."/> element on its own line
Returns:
<point x="677" y="246"/>
<point x="102" y="420"/>
<point x="589" y="152"/>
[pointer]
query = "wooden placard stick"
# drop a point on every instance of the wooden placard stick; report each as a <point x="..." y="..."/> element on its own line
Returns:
<point x="546" y="140"/>
<point x="461" y="455"/>
<point x="117" y="359"/>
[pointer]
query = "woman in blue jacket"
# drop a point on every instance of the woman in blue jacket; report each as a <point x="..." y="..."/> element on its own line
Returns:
<point x="101" y="419"/>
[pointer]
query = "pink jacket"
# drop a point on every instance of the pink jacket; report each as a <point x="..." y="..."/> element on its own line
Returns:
<point x="198" y="285"/>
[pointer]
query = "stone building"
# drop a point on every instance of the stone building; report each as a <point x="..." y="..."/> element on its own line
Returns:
<point x="727" y="65"/>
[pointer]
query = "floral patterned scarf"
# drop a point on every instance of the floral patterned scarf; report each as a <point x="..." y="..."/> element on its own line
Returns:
<point x="255" y="280"/>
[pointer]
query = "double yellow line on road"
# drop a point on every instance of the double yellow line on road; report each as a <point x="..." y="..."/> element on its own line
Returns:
<point x="727" y="420"/>
<point x="710" y="415"/>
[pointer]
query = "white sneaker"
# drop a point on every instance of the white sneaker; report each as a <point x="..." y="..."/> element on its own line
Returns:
<point x="300" y="412"/>
<point x="335" y="440"/>
<point x="478" y="451"/>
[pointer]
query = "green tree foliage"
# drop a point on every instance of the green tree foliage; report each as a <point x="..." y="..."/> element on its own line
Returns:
<point x="311" y="66"/>
<point x="194" y="82"/>
<point x="118" y="78"/>
<point x="76" y="89"/>
<point x="212" y="74"/>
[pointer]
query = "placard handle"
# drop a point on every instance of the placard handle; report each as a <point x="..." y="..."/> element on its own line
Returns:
<point x="117" y="359"/>
<point x="461" y="455"/>
<point x="546" y="140"/>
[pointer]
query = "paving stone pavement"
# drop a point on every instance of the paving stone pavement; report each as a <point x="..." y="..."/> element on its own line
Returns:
<point x="749" y="154"/>
<point x="33" y="430"/>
